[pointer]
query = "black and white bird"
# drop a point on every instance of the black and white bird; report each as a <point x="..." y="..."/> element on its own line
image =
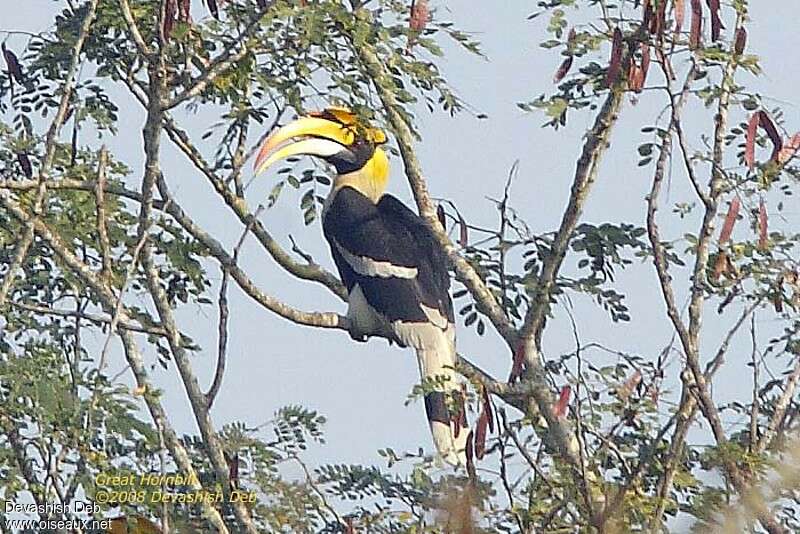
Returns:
<point x="395" y="273"/>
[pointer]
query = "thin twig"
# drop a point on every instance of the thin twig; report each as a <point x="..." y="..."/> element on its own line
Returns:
<point x="153" y="329"/>
<point x="20" y="253"/>
<point x="196" y="397"/>
<point x="68" y="184"/>
<point x="311" y="272"/>
<point x="223" y="319"/>
<point x="318" y="319"/>
<point x="524" y="451"/>
<point x="755" y="408"/>
<point x="119" y="306"/>
<point x="780" y="407"/>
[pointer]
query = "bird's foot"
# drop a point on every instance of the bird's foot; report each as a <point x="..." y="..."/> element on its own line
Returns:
<point x="357" y="335"/>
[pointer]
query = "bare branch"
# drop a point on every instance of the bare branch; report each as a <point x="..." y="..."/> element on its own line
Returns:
<point x="321" y="320"/>
<point x="525" y="452"/>
<point x="485" y="300"/>
<point x="196" y="397"/>
<point x="223" y="320"/>
<point x="780" y="407"/>
<point x="119" y="305"/>
<point x="66" y="92"/>
<point x="77" y="185"/>
<point x="659" y="254"/>
<point x="755" y="407"/>
<point x="125" y="7"/>
<point x="152" y="133"/>
<point x="102" y="229"/>
<point x="687" y="161"/>
<point x="239" y="207"/>
<point x="694" y="380"/>
<point x="222" y="341"/>
<point x="713" y="366"/>
<point x="318" y="319"/>
<point x="585" y="174"/>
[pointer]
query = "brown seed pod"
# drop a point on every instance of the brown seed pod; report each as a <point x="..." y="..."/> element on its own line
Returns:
<point x="615" y="64"/>
<point x="697" y="24"/>
<point x="741" y="41"/>
<point x="563" y="69"/>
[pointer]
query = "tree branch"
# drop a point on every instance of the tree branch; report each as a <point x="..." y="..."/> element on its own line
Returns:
<point x="780" y="407"/>
<point x="318" y="319"/>
<point x="154" y="329"/>
<point x="102" y="229"/>
<point x="659" y="254"/>
<point x="196" y="397"/>
<point x="695" y="382"/>
<point x="144" y="50"/>
<point x="77" y="185"/>
<point x="597" y="140"/>
<point x="239" y="207"/>
<point x="466" y="274"/>
<point x="132" y="353"/>
<point x="222" y="342"/>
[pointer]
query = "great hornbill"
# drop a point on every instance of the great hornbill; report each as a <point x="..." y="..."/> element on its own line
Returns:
<point x="395" y="272"/>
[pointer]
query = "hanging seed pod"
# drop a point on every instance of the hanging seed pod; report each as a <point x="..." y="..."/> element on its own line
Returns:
<point x="741" y="41"/>
<point x="12" y="64"/>
<point x="560" y="408"/>
<point x="716" y="22"/>
<point x="615" y="63"/>
<point x="213" y="7"/>
<point x="419" y="15"/>
<point x="25" y="163"/>
<point x="777" y="141"/>
<point x="763" y="222"/>
<point x="697" y="25"/>
<point x="680" y="14"/>
<point x="170" y="12"/>
<point x="480" y="435"/>
<point x="563" y="69"/>
<point x="730" y="220"/>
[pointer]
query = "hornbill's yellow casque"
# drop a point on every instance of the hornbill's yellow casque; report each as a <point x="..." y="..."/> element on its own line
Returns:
<point x="393" y="269"/>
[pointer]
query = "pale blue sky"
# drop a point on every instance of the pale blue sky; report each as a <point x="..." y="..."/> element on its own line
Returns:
<point x="361" y="388"/>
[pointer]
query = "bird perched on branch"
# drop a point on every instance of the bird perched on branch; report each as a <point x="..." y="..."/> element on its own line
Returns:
<point x="394" y="270"/>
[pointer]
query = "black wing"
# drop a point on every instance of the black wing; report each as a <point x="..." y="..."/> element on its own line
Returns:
<point x="428" y="249"/>
<point x="389" y="252"/>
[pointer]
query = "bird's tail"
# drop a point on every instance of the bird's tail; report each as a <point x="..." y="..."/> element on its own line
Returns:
<point x="444" y="406"/>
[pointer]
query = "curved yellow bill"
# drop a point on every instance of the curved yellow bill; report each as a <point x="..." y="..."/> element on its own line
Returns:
<point x="328" y="133"/>
<point x="313" y="146"/>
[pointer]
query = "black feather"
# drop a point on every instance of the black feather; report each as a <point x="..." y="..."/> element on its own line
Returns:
<point x="389" y="232"/>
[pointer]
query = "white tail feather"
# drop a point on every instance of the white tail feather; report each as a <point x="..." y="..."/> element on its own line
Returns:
<point x="437" y="358"/>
